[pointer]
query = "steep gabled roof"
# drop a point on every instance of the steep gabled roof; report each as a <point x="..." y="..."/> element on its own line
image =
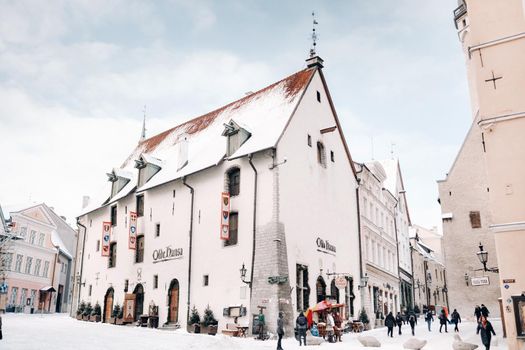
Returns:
<point x="265" y="113"/>
<point x="393" y="175"/>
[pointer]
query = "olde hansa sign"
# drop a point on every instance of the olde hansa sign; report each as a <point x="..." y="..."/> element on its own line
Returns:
<point x="168" y="253"/>
<point x="324" y="246"/>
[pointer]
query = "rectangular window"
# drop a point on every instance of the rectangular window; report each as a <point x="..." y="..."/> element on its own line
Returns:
<point x="332" y="157"/>
<point x="234" y="219"/>
<point x="33" y="297"/>
<point x="155" y="281"/>
<point x="41" y="238"/>
<point x="18" y="264"/>
<point x="8" y="261"/>
<point x="309" y="140"/>
<point x="46" y="269"/>
<point x="98" y="245"/>
<point x="139" y="253"/>
<point x="206" y="280"/>
<point x="32" y="237"/>
<point x="14" y="295"/>
<point x="112" y="261"/>
<point x="475" y="219"/>
<point x="174" y="192"/>
<point x="318" y="96"/>
<point x="38" y="262"/>
<point x="114" y="215"/>
<point x="302" y="288"/>
<point x="23" y="296"/>
<point x="157" y="230"/>
<point x="321" y="156"/>
<point x="234" y="181"/>
<point x="29" y="262"/>
<point x="23" y="232"/>
<point x="90" y="290"/>
<point x="140" y="205"/>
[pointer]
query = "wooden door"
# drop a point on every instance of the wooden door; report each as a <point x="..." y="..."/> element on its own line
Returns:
<point x="109" y="307"/>
<point x="174" y="303"/>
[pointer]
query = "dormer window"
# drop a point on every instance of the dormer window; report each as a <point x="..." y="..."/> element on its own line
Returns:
<point x="148" y="166"/>
<point x="119" y="179"/>
<point x="236" y="135"/>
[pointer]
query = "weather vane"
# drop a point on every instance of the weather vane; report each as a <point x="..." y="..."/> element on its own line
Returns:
<point x="314" y="35"/>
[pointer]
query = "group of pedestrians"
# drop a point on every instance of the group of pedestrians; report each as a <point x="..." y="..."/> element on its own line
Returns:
<point x="485" y="328"/>
<point x="391" y="322"/>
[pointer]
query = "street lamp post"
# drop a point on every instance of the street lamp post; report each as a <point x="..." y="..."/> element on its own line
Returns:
<point x="242" y="270"/>
<point x="483" y="257"/>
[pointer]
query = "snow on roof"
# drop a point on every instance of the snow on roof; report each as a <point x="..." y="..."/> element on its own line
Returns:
<point x="264" y="114"/>
<point x="57" y="242"/>
<point x="151" y="160"/>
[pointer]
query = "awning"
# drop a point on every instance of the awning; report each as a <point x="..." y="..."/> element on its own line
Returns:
<point x="47" y="289"/>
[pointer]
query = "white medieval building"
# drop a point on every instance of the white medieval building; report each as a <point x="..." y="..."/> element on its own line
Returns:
<point x="265" y="183"/>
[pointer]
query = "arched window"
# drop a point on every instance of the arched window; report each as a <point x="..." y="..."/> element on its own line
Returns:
<point x="334" y="291"/>
<point x="234" y="181"/>
<point x="321" y="154"/>
<point x="320" y="288"/>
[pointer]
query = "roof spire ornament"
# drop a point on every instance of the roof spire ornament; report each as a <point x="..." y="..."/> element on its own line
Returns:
<point x="143" y="133"/>
<point x="314" y="36"/>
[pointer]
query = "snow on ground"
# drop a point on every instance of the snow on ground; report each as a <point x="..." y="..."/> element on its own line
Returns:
<point x="60" y="332"/>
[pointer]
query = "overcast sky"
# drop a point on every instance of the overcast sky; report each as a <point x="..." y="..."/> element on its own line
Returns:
<point x="75" y="75"/>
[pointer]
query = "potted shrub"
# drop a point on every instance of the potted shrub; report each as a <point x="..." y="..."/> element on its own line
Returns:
<point x="80" y="310"/>
<point x="210" y="321"/>
<point x="114" y="314"/>
<point x="195" y="320"/>
<point x="87" y="312"/>
<point x="363" y="317"/>
<point x="120" y="317"/>
<point x="95" y="314"/>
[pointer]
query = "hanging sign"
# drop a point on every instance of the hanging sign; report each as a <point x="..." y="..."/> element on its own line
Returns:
<point x="340" y="282"/>
<point x="106" y="230"/>
<point x="132" y="230"/>
<point x="225" y="216"/>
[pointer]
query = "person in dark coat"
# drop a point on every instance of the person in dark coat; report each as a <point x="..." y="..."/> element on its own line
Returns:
<point x="484" y="311"/>
<point x="456" y="319"/>
<point x="390" y="321"/>
<point x="302" y="324"/>
<point x="486" y="330"/>
<point x="413" y="321"/>
<point x="443" y="320"/>
<point x="477" y="312"/>
<point x="399" y="321"/>
<point x="429" y="318"/>
<point x="280" y="330"/>
<point x="0" y="327"/>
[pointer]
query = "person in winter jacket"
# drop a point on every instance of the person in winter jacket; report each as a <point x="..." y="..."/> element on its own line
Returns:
<point x="390" y="321"/>
<point x="330" y="324"/>
<point x="486" y="330"/>
<point x="456" y="319"/>
<point x="412" y="320"/>
<point x="484" y="311"/>
<point x="429" y="319"/>
<point x="280" y="330"/>
<point x="302" y="324"/>
<point x="443" y="320"/>
<point x="0" y="327"/>
<point x="338" y="328"/>
<point x="477" y="312"/>
<point x="399" y="321"/>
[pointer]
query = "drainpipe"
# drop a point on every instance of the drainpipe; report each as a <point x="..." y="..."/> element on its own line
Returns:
<point x="192" y="191"/>
<point x="412" y="266"/>
<point x="53" y="278"/>
<point x="81" y="260"/>
<point x="254" y="219"/>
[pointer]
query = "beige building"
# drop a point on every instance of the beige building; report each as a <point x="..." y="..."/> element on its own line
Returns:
<point x="463" y="196"/>
<point x="378" y="242"/>
<point x="492" y="34"/>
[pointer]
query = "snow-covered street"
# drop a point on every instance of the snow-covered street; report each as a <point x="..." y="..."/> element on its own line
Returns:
<point x="26" y="332"/>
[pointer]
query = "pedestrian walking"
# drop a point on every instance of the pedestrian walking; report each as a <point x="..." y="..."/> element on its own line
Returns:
<point x="280" y="330"/>
<point x="413" y="321"/>
<point x="486" y="330"/>
<point x="390" y="321"/>
<point x="399" y="321"/>
<point x="443" y="320"/>
<point x="484" y="311"/>
<point x="456" y="319"/>
<point x="429" y="318"/>
<point x="302" y="324"/>
<point x="330" y="324"/>
<point x="338" y="328"/>
<point x="0" y="327"/>
<point x="477" y="312"/>
<point x="261" y="322"/>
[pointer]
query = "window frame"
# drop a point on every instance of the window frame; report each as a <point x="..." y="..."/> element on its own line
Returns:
<point x="229" y="242"/>
<point x="234" y="181"/>
<point x="139" y="205"/>
<point x="139" y="253"/>
<point x="113" y="214"/>
<point x="112" y="259"/>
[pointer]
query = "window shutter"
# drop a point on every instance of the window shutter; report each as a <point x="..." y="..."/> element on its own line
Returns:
<point x="475" y="219"/>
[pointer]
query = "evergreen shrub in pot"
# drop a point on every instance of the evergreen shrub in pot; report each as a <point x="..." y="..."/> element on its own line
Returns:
<point x="87" y="312"/>
<point x="96" y="313"/>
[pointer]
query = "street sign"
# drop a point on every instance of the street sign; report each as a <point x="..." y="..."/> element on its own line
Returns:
<point x="510" y="280"/>
<point x="340" y="282"/>
<point x="480" y="281"/>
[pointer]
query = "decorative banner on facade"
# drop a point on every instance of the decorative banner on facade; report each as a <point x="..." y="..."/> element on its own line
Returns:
<point x="225" y="216"/>
<point x="129" y="307"/>
<point x="132" y="230"/>
<point x="106" y="230"/>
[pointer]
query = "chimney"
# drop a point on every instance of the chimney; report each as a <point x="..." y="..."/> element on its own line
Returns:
<point x="182" y="151"/>
<point x="314" y="61"/>
<point x="85" y="201"/>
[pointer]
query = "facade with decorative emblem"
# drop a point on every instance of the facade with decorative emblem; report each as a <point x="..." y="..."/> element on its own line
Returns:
<point x="249" y="207"/>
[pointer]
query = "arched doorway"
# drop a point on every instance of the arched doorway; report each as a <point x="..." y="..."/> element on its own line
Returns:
<point x="139" y="300"/>
<point x="334" y="291"/>
<point x="108" y="305"/>
<point x="173" y="297"/>
<point x="320" y="288"/>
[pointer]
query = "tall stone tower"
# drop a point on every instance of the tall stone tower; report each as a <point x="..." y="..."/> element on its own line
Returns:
<point x="493" y="37"/>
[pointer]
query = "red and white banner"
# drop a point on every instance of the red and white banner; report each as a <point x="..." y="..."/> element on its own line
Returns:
<point x="106" y="232"/>
<point x="132" y="230"/>
<point x="225" y="216"/>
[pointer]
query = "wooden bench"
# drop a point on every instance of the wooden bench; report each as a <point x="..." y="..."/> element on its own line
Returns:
<point x="231" y="330"/>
